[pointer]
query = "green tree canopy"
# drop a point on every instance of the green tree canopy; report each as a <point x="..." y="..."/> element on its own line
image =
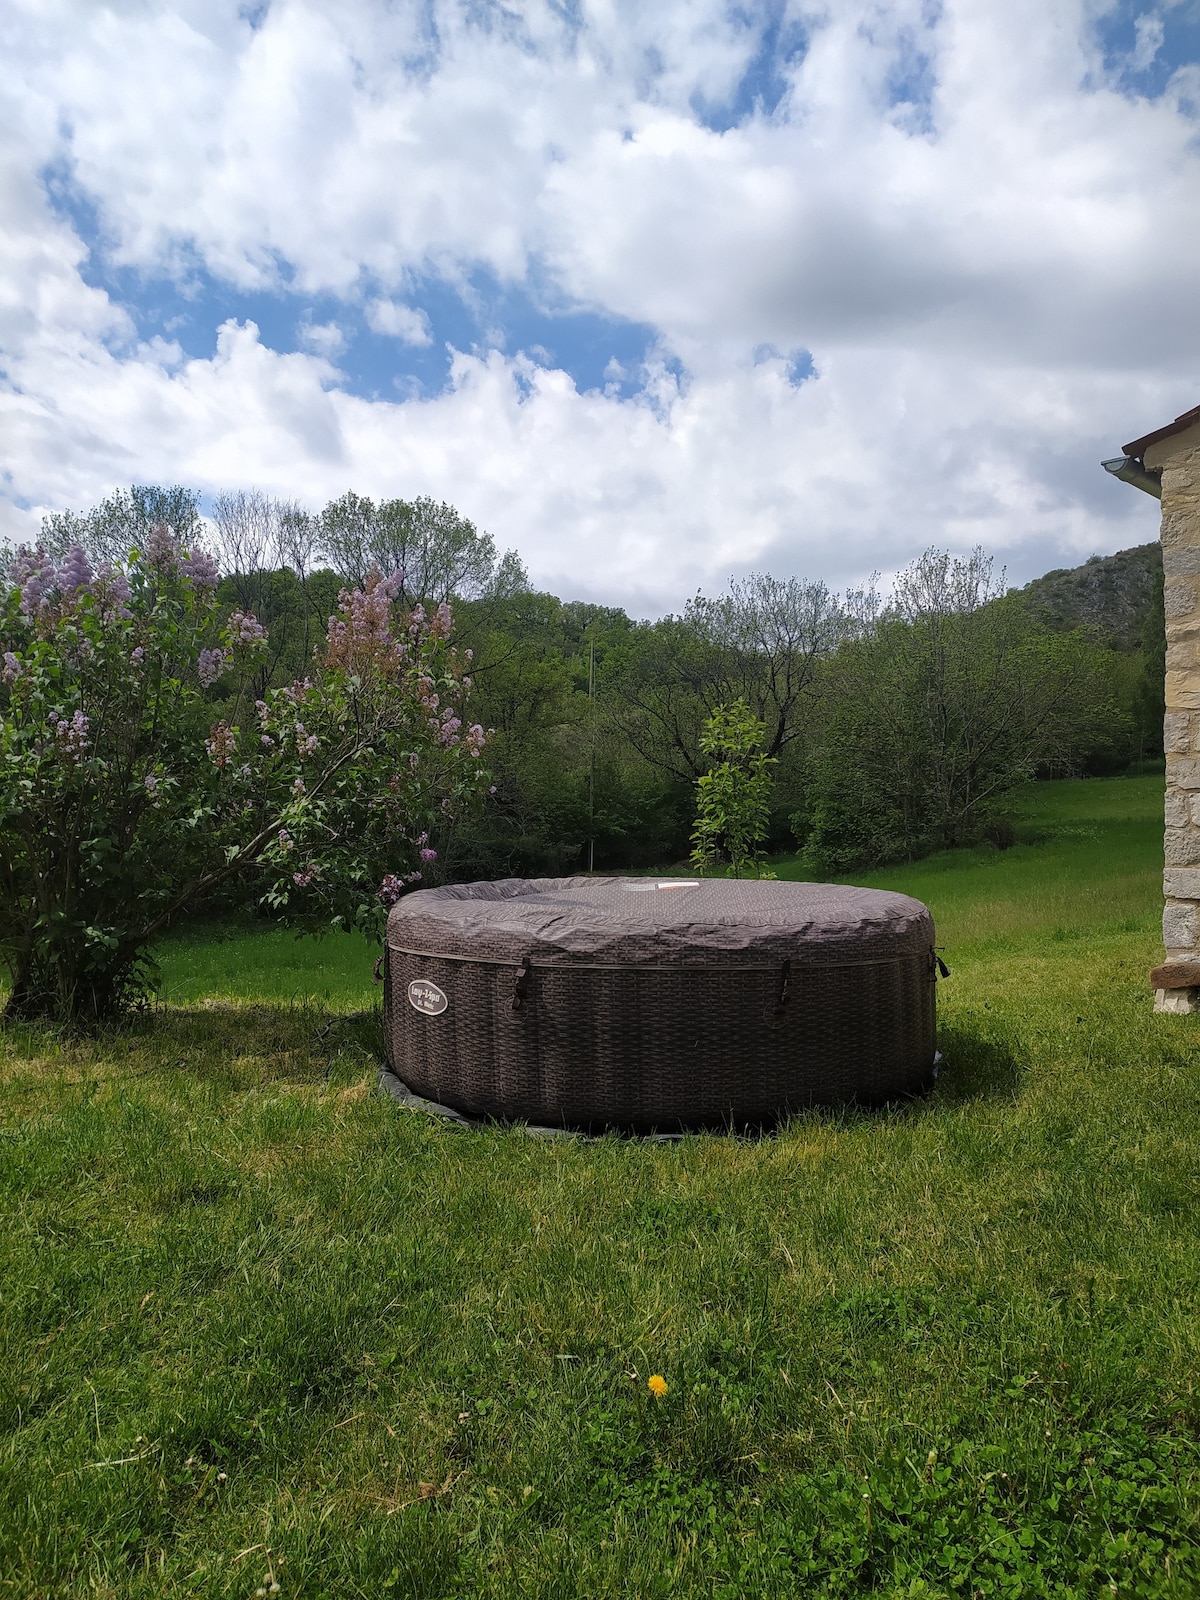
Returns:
<point x="439" y="552"/>
<point x="955" y="697"/>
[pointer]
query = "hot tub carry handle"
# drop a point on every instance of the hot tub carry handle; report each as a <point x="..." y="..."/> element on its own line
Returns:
<point x="522" y="983"/>
<point x="782" y="996"/>
<point x="937" y="965"/>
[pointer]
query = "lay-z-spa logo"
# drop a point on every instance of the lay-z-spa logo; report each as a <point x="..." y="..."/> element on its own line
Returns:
<point x="426" y="998"/>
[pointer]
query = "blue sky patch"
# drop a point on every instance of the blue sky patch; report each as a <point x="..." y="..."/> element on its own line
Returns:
<point x="912" y="83"/>
<point x="764" y="83"/>
<point x="1145" y="44"/>
<point x="800" y="364"/>
<point x="188" y="308"/>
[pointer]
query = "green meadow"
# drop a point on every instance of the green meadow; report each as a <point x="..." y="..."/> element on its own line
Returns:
<point x="264" y="1332"/>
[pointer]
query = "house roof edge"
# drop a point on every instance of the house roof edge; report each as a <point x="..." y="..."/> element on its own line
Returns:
<point x="1137" y="448"/>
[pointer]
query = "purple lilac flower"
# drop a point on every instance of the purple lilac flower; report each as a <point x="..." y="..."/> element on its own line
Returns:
<point x="391" y="889"/>
<point x="76" y="571"/>
<point x="220" y="744"/>
<point x="412" y="877"/>
<point x="162" y="551"/>
<point x="33" y="595"/>
<point x="210" y="666"/>
<point x="245" y="628"/>
<point x="428" y="855"/>
<point x="72" y="736"/>
<point x="303" y="879"/>
<point x="137" y="657"/>
<point x="112" y="587"/>
<point x="285" y="839"/>
<point x="298" y="788"/>
<point x="12" y="668"/>
<point x="362" y="632"/>
<point x="200" y="567"/>
<point x="33" y="573"/>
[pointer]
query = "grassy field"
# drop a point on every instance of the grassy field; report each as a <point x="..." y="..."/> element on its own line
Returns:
<point x="1088" y="858"/>
<point x="261" y="1327"/>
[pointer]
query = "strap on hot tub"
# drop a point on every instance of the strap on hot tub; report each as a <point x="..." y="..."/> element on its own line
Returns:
<point x="782" y="997"/>
<point x="522" y="983"/>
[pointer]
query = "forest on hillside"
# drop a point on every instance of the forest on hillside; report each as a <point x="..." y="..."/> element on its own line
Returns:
<point x="895" y="724"/>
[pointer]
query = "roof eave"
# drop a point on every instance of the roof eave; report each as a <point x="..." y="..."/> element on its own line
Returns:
<point x="1137" y="448"/>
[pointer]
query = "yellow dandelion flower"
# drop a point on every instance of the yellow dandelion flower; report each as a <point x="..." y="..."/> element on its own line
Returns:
<point x="657" y="1386"/>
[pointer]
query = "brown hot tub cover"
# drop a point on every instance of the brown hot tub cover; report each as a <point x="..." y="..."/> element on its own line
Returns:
<point x="658" y="1005"/>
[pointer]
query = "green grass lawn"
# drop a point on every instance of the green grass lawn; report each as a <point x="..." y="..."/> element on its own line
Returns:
<point x="1092" y="861"/>
<point x="232" y="963"/>
<point x="260" y="1326"/>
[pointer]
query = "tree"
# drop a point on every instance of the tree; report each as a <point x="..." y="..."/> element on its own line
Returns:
<point x="733" y="796"/>
<point x="110" y="530"/>
<point x="1149" y="690"/>
<point x="122" y="800"/>
<point x="762" y="642"/>
<point x="525" y="690"/>
<point x="268" y="550"/>
<point x="440" y="554"/>
<point x="957" y="696"/>
<point x="256" y="532"/>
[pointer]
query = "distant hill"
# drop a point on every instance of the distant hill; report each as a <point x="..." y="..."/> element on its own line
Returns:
<point x="1111" y="596"/>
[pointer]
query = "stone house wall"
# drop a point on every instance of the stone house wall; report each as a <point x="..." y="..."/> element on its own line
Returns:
<point x="1177" y="980"/>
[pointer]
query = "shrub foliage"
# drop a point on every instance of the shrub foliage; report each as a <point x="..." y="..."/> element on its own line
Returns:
<point x="122" y="800"/>
<point x="733" y="796"/>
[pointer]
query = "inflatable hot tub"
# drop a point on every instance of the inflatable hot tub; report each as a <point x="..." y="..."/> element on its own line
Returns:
<point x="656" y="1005"/>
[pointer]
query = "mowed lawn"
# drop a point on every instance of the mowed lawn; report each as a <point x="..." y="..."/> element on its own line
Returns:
<point x="260" y="1327"/>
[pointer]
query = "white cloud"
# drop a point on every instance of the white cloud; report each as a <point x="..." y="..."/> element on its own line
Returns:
<point x="1148" y="41"/>
<point x="640" y="500"/>
<point x="325" y="338"/>
<point x="395" y="320"/>
<point x="997" y="286"/>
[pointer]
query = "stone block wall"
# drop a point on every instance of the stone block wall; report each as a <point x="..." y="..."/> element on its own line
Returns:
<point x="1177" y="979"/>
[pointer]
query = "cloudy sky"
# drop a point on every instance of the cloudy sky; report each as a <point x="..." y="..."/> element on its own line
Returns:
<point x="655" y="293"/>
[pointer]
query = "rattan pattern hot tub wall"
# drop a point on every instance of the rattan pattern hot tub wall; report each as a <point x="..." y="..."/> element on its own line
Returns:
<point x="613" y="1002"/>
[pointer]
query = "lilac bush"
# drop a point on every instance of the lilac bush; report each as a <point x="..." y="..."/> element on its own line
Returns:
<point x="125" y="797"/>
